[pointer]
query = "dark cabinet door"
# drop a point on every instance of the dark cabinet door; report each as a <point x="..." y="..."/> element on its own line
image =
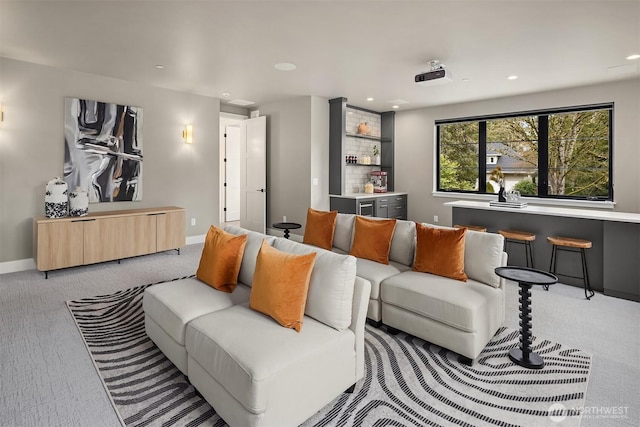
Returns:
<point x="382" y="207"/>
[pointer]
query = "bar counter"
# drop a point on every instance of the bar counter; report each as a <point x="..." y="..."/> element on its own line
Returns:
<point x="613" y="261"/>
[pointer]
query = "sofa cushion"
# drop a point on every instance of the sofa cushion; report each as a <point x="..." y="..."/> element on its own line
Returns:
<point x="344" y="231"/>
<point x="403" y="243"/>
<point x="461" y="305"/>
<point x="221" y="258"/>
<point x="252" y="357"/>
<point x="174" y="304"/>
<point x="372" y="239"/>
<point x="280" y="285"/>
<point x="330" y="295"/>
<point x="375" y="273"/>
<point x="251" y="249"/>
<point x="482" y="255"/>
<point x="319" y="228"/>
<point x="440" y="251"/>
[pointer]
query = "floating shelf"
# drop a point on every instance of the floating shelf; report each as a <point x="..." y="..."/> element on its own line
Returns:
<point x="362" y="164"/>
<point x="372" y="138"/>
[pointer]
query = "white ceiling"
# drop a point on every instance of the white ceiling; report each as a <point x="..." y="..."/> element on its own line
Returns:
<point x="355" y="49"/>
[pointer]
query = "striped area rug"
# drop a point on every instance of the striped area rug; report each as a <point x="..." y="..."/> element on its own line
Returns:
<point x="408" y="382"/>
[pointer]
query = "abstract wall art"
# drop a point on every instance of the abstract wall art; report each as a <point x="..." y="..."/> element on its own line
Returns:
<point x="103" y="149"/>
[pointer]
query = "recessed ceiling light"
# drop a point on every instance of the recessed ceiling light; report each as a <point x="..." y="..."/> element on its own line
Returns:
<point x="159" y="66"/>
<point x="241" y="102"/>
<point x="512" y="77"/>
<point x="349" y="112"/>
<point x="285" y="66"/>
<point x="635" y="56"/>
<point x="225" y="94"/>
<point x="395" y="106"/>
<point x="369" y="99"/>
<point x="466" y="79"/>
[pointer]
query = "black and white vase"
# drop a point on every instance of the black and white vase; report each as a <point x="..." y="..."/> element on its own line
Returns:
<point x="56" y="204"/>
<point x="78" y="202"/>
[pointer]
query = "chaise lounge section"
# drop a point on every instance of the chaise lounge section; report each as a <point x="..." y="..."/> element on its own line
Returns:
<point x="253" y="371"/>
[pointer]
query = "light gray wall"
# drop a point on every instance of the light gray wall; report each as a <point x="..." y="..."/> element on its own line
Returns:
<point x="319" y="153"/>
<point x="32" y="147"/>
<point x="414" y="142"/>
<point x="297" y="151"/>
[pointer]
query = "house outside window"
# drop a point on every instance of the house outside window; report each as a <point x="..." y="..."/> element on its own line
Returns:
<point x="562" y="153"/>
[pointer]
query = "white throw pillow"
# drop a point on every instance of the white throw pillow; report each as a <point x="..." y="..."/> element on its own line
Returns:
<point x="343" y="235"/>
<point x="330" y="296"/>
<point x="403" y="244"/>
<point x="251" y="249"/>
<point x="482" y="255"/>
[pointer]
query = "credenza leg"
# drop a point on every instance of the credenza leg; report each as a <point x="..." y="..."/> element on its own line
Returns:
<point x="46" y="275"/>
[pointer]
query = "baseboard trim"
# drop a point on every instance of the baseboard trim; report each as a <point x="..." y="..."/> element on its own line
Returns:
<point x="192" y="240"/>
<point x="30" y="264"/>
<point x="17" y="265"/>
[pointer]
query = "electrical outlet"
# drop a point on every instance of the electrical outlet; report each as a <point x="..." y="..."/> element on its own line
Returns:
<point x="284" y="218"/>
<point x="315" y="181"/>
<point x="193" y="222"/>
<point x="435" y="218"/>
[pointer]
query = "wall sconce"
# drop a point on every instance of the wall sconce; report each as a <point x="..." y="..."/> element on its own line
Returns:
<point x="187" y="134"/>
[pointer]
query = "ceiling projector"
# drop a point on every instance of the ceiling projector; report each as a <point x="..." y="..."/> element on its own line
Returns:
<point x="438" y="74"/>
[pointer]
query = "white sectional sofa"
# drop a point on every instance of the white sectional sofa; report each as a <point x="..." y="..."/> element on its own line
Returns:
<point x="250" y="369"/>
<point x="459" y="316"/>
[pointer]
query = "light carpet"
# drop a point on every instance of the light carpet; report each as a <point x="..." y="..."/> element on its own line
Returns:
<point x="407" y="382"/>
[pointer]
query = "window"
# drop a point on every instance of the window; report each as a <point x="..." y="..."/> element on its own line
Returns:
<point x="561" y="153"/>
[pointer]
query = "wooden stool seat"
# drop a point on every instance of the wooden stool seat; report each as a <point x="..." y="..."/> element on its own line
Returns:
<point x="473" y="227"/>
<point x="517" y="235"/>
<point x="569" y="242"/>
<point x="522" y="238"/>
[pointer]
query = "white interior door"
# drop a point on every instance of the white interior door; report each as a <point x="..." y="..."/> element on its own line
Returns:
<point x="253" y="174"/>
<point x="232" y="173"/>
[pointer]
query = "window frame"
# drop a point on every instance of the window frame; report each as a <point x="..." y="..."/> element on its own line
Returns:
<point x="543" y="141"/>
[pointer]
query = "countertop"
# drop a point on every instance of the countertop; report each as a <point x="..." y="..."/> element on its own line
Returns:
<point x="552" y="211"/>
<point x="366" y="196"/>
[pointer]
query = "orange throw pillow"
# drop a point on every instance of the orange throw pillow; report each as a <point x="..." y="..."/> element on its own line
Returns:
<point x="372" y="239"/>
<point x="440" y="251"/>
<point x="280" y="285"/>
<point x="320" y="228"/>
<point x="221" y="258"/>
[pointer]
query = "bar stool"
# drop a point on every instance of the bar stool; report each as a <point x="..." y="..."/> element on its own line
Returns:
<point x="520" y="237"/>
<point x="569" y="244"/>
<point x="472" y="227"/>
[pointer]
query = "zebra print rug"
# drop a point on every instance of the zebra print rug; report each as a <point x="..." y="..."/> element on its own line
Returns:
<point x="408" y="382"/>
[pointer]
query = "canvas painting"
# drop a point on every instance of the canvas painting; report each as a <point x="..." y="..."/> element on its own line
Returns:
<point x="103" y="150"/>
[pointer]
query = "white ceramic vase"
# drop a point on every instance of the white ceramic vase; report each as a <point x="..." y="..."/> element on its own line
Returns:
<point x="56" y="204"/>
<point x="78" y="202"/>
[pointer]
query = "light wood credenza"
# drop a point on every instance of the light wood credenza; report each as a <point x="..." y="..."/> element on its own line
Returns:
<point x="106" y="236"/>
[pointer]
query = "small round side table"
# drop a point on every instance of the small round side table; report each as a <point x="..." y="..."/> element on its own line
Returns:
<point x="526" y="278"/>
<point x="286" y="226"/>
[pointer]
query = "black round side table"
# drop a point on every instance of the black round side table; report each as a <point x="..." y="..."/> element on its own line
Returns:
<point x="286" y="226"/>
<point x="526" y="277"/>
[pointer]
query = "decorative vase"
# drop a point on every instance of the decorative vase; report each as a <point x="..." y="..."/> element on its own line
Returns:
<point x="56" y="204"/>
<point x="78" y="202"/>
<point x="501" y="197"/>
<point x="376" y="159"/>
<point x="363" y="129"/>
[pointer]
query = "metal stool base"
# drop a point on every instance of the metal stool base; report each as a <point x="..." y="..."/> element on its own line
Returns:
<point x="588" y="292"/>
